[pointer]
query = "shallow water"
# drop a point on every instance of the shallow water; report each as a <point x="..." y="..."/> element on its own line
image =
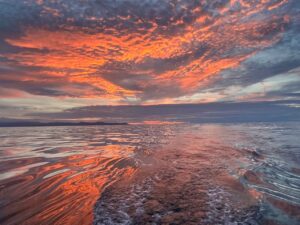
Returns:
<point x="151" y="174"/>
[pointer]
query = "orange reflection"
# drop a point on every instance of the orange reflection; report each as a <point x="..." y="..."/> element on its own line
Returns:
<point x="158" y="122"/>
<point x="66" y="191"/>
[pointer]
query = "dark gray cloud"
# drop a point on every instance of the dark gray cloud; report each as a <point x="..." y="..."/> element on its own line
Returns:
<point x="209" y="112"/>
<point x="278" y="59"/>
<point x="100" y="15"/>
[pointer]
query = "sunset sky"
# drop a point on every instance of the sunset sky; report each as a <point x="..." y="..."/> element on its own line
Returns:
<point x="58" y="55"/>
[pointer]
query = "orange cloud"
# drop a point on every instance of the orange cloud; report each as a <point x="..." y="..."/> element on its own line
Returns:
<point x="151" y="56"/>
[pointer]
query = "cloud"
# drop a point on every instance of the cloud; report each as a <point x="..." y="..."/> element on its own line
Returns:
<point x="138" y="52"/>
<point x="203" y="113"/>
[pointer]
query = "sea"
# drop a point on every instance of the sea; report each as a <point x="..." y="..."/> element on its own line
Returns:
<point x="160" y="173"/>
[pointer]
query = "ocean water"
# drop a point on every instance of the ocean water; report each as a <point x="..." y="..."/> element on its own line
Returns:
<point x="185" y="173"/>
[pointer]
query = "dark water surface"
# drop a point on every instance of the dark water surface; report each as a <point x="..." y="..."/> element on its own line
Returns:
<point x="151" y="174"/>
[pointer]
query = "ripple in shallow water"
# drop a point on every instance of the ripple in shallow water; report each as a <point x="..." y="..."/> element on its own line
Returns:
<point x="209" y="174"/>
<point x="151" y="174"/>
<point x="55" y="175"/>
<point x="180" y="187"/>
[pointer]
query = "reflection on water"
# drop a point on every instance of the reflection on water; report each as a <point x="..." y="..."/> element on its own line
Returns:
<point x="54" y="175"/>
<point x="151" y="174"/>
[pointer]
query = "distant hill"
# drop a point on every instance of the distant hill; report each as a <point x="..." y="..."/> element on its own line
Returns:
<point x="22" y="123"/>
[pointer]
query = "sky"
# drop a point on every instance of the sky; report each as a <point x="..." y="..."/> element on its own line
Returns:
<point x="62" y="56"/>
